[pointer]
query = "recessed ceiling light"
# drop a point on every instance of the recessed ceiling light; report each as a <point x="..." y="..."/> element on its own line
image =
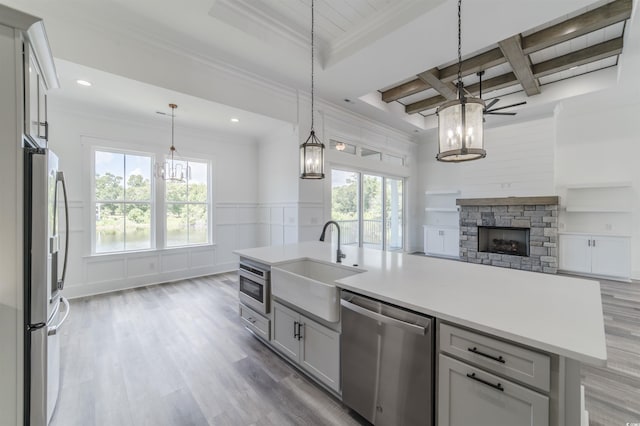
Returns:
<point x="235" y="120"/>
<point x="83" y="83"/>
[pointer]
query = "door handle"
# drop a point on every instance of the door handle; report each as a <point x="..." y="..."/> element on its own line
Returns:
<point x="53" y="330"/>
<point x="477" y="352"/>
<point x="473" y="376"/>
<point x="60" y="178"/>
<point x="417" y="329"/>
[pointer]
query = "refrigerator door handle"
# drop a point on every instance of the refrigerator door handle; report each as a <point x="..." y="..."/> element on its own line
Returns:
<point x="60" y="178"/>
<point x="54" y="328"/>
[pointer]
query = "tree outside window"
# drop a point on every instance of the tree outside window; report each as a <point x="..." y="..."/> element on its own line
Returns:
<point x="122" y="201"/>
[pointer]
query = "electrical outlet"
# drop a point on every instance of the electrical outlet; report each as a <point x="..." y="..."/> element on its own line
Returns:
<point x="608" y="227"/>
<point x="152" y="265"/>
<point x="314" y="220"/>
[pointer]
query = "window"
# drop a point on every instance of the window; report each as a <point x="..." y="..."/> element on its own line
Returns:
<point x="369" y="209"/>
<point x="188" y="206"/>
<point x="123" y="202"/>
<point x="132" y="207"/>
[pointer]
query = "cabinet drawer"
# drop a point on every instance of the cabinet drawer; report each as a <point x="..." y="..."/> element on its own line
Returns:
<point x="255" y="322"/>
<point x="471" y="396"/>
<point x="523" y="365"/>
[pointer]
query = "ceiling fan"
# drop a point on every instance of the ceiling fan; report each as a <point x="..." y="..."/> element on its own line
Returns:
<point x="495" y="111"/>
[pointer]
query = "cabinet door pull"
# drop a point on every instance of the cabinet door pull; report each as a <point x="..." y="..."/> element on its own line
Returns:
<point x="295" y="330"/>
<point x="477" y="352"/>
<point x="484" y="382"/>
<point x="589" y="242"/>
<point x="594" y="243"/>
<point x="299" y="331"/>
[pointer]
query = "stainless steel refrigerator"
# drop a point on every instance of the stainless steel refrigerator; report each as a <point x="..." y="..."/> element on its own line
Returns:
<point x="45" y="308"/>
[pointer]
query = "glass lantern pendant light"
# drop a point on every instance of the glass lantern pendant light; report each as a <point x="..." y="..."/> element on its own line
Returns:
<point x="172" y="169"/>
<point x="460" y="122"/>
<point x="312" y="150"/>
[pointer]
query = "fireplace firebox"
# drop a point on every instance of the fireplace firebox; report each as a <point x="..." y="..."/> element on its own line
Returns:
<point x="503" y="240"/>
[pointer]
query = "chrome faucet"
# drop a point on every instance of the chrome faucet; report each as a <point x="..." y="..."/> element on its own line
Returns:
<point x="339" y="254"/>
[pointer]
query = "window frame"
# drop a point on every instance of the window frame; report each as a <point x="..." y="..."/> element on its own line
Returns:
<point x="94" y="202"/>
<point x="158" y="202"/>
<point x="208" y="203"/>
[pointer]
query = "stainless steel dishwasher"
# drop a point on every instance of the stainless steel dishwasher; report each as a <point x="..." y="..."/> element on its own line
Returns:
<point x="387" y="359"/>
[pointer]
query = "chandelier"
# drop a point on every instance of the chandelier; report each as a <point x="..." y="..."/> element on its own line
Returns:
<point x="172" y="169"/>
<point x="312" y="150"/>
<point x="460" y="133"/>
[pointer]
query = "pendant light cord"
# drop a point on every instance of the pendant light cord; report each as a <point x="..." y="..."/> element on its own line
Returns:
<point x="312" y="60"/>
<point x="460" y="93"/>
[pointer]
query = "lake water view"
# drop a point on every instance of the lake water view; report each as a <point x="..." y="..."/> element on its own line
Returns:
<point x="140" y="239"/>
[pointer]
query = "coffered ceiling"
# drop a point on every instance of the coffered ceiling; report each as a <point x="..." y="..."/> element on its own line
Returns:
<point x="582" y="42"/>
<point x="365" y="47"/>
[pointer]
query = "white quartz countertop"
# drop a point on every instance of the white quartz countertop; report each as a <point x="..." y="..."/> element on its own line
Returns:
<point x="557" y="314"/>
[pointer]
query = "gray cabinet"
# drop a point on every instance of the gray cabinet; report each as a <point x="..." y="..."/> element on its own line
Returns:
<point x="314" y="347"/>
<point x="285" y="333"/>
<point x="471" y="396"/>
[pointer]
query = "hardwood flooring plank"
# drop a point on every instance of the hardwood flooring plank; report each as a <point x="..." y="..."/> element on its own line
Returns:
<point x="176" y="354"/>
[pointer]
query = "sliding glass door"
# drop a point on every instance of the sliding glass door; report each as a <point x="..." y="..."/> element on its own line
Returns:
<point x="345" y="207"/>
<point x="369" y="209"/>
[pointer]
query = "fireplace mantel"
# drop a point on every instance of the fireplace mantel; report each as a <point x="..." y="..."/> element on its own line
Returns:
<point x="509" y="201"/>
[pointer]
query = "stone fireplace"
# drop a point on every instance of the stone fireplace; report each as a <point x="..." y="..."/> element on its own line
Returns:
<point x="511" y="232"/>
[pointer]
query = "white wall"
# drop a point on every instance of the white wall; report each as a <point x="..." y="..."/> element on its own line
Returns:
<point x="278" y="187"/>
<point x="589" y="140"/>
<point x="597" y="143"/>
<point x="235" y="194"/>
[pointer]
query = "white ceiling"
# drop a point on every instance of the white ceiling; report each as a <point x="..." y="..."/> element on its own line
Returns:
<point x="112" y="93"/>
<point x="364" y="44"/>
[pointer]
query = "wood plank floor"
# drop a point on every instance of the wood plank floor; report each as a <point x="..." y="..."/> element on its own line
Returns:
<point x="176" y="354"/>
<point x="613" y="393"/>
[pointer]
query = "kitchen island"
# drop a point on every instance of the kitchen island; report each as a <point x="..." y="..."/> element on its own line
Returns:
<point x="556" y="316"/>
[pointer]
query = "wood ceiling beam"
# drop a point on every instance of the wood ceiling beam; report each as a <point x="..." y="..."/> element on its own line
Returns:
<point x="610" y="13"/>
<point x="474" y="64"/>
<point x="579" y="57"/>
<point x="432" y="78"/>
<point x="495" y="83"/>
<point x="424" y="104"/>
<point x="470" y="66"/>
<point x="406" y="89"/>
<point x="512" y="50"/>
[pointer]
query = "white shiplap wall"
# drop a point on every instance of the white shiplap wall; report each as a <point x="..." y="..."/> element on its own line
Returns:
<point x="519" y="162"/>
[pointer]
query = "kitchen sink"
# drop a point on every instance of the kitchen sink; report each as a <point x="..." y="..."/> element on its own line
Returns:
<point x="310" y="285"/>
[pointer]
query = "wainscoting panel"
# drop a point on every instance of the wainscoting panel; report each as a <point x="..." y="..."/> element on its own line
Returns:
<point x="202" y="257"/>
<point x="173" y="262"/>
<point x="145" y="265"/>
<point x="105" y="268"/>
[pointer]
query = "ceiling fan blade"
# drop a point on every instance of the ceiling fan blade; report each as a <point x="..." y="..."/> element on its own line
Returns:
<point x="490" y="104"/>
<point x="508" y="106"/>
<point x="502" y="113"/>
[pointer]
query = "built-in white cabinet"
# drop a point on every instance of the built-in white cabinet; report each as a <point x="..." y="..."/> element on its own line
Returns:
<point x="442" y="241"/>
<point x="471" y="396"/>
<point x="311" y="345"/>
<point x="595" y="254"/>
<point x="35" y="89"/>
